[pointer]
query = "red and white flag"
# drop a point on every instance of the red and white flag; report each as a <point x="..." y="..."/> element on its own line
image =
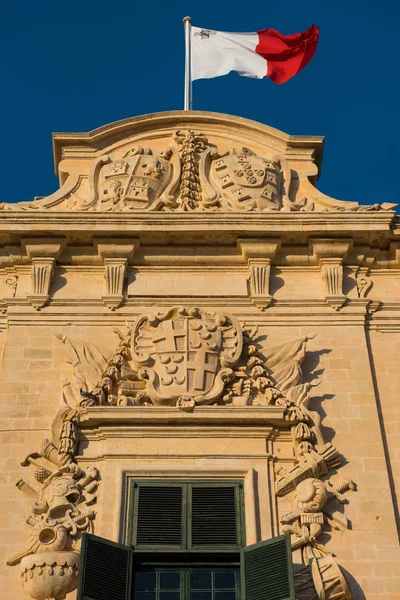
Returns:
<point x="265" y="53"/>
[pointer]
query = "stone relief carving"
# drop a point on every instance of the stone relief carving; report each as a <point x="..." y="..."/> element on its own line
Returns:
<point x="249" y="182"/>
<point x="63" y="497"/>
<point x="186" y="352"/>
<point x="311" y="511"/>
<point x="184" y="357"/>
<point x="135" y="182"/>
<point x="190" y="174"/>
<point x="363" y="281"/>
<point x="12" y="283"/>
<point x="314" y="460"/>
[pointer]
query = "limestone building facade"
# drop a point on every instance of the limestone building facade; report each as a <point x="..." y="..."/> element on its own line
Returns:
<point x="199" y="354"/>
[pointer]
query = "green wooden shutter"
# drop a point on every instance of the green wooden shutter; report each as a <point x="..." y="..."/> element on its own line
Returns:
<point x="159" y="515"/>
<point x="215" y="515"/>
<point x="105" y="570"/>
<point x="268" y="571"/>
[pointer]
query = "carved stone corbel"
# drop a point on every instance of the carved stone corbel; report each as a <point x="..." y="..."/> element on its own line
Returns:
<point x="259" y="255"/>
<point x="115" y="254"/>
<point x="43" y="253"/>
<point x="331" y="253"/>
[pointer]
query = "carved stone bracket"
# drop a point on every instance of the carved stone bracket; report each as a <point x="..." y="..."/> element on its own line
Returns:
<point x="115" y="254"/>
<point x="114" y="274"/>
<point x="331" y="254"/>
<point x="43" y="253"/>
<point x="259" y="256"/>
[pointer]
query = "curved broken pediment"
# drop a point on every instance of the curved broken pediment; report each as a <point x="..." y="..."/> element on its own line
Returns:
<point x="188" y="161"/>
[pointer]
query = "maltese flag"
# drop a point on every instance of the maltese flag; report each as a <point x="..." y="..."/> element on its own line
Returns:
<point x="265" y="53"/>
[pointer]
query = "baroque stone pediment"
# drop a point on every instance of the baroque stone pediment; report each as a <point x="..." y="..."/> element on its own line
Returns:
<point x="191" y="162"/>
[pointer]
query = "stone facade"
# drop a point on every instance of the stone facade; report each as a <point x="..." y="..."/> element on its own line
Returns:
<point x="189" y="305"/>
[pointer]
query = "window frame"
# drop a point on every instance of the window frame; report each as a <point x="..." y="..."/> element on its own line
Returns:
<point x="186" y="485"/>
<point x="186" y="569"/>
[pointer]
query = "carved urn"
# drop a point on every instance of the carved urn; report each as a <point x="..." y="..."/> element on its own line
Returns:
<point x="50" y="575"/>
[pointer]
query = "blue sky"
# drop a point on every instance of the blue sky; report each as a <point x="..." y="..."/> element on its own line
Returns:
<point x="73" y="66"/>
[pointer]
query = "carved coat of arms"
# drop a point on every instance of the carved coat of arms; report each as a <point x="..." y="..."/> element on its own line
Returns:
<point x="186" y="354"/>
<point x="136" y="181"/>
<point x="249" y="181"/>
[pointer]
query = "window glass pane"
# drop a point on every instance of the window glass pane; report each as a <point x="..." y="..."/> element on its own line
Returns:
<point x="200" y="595"/>
<point x="200" y="580"/>
<point x="169" y="596"/>
<point x="145" y="595"/>
<point x="145" y="580"/>
<point x="225" y="580"/>
<point x="170" y="580"/>
<point x="225" y="595"/>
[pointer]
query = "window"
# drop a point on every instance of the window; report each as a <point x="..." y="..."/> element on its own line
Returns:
<point x="191" y="516"/>
<point x="185" y="541"/>
<point x="196" y="583"/>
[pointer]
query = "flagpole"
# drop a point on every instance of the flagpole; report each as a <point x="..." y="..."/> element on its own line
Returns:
<point x="187" y="24"/>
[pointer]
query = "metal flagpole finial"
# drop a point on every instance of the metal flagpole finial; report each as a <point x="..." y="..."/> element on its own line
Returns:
<point x="187" y="24"/>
